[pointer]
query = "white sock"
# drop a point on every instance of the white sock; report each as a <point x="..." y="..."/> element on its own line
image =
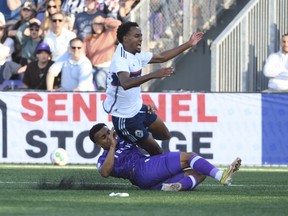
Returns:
<point x="219" y="174"/>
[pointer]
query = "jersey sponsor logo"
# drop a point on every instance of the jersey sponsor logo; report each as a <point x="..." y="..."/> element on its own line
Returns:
<point x="139" y="133"/>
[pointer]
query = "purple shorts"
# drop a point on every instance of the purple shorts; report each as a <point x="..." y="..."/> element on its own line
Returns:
<point x="151" y="172"/>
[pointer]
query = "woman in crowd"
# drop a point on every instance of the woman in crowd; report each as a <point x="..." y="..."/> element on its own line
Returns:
<point x="52" y="6"/>
<point x="100" y="47"/>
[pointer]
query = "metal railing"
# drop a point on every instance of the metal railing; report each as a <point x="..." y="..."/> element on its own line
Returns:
<point x="239" y="53"/>
<point x="183" y="17"/>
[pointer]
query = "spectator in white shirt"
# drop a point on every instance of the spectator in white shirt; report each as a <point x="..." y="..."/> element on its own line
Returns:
<point x="75" y="67"/>
<point x="276" y="67"/>
<point x="58" y="39"/>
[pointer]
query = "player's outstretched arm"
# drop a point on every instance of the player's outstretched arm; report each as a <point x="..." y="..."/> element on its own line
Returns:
<point x="169" y="54"/>
<point x="128" y="82"/>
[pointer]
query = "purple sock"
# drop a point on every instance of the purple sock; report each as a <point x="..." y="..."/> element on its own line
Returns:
<point x="188" y="182"/>
<point x="202" y="166"/>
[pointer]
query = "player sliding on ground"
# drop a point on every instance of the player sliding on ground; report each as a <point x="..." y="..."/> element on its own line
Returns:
<point x="121" y="159"/>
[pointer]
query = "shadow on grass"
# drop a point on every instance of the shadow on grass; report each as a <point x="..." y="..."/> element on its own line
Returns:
<point x="67" y="183"/>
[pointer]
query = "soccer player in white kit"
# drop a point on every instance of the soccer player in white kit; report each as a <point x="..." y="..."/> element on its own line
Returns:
<point x="133" y="121"/>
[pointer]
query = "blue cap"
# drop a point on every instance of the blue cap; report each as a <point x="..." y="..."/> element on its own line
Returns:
<point x="43" y="47"/>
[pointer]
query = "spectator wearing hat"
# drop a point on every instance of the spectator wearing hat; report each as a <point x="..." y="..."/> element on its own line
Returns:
<point x="58" y="38"/>
<point x="29" y="35"/>
<point x="11" y="9"/>
<point x="27" y="13"/>
<point x="36" y="71"/>
<point x="75" y="68"/>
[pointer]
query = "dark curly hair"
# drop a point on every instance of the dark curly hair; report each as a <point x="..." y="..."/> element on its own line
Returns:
<point x="94" y="130"/>
<point x="124" y="28"/>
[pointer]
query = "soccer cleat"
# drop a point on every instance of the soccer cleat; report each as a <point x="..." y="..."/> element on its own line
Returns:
<point x="226" y="178"/>
<point x="171" y="187"/>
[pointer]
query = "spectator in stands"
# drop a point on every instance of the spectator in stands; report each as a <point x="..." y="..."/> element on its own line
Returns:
<point x="40" y="8"/>
<point x="75" y="68"/>
<point x="276" y="67"/>
<point x="11" y="9"/>
<point x="59" y="37"/>
<point x="8" y="68"/>
<point x="4" y="39"/>
<point x="83" y="21"/>
<point x="29" y="35"/>
<point x="72" y="7"/>
<point x="100" y="47"/>
<point x="36" y="71"/>
<point x="51" y="7"/>
<point x="27" y="13"/>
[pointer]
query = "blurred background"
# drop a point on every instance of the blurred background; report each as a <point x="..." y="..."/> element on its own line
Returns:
<point x="239" y="36"/>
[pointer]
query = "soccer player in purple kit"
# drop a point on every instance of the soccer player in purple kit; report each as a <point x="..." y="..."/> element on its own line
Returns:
<point x="133" y="121"/>
<point x="171" y="171"/>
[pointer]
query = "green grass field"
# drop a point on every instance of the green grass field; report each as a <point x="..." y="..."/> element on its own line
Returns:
<point x="44" y="190"/>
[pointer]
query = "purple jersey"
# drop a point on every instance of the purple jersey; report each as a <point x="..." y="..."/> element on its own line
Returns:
<point x="126" y="156"/>
<point x="147" y="172"/>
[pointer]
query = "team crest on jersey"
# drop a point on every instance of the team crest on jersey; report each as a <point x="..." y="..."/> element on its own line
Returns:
<point x="139" y="133"/>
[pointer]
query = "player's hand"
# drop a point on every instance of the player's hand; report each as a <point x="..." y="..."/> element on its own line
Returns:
<point x="113" y="137"/>
<point x="195" y="38"/>
<point x="164" y="72"/>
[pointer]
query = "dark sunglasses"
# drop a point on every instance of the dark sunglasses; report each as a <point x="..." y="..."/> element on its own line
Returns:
<point x="51" y="6"/>
<point x="73" y="47"/>
<point x="34" y="29"/>
<point x="57" y="20"/>
<point x="98" y="23"/>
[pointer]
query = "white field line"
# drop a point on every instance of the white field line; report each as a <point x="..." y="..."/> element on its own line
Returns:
<point x="45" y="166"/>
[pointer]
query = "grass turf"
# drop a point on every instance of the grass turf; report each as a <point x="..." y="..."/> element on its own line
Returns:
<point x="45" y="190"/>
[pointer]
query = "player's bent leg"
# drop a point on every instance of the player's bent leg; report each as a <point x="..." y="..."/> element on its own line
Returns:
<point x="159" y="130"/>
<point x="200" y="178"/>
<point x="151" y="146"/>
<point x="189" y="182"/>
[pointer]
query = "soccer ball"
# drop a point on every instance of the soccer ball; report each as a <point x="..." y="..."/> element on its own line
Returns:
<point x="59" y="157"/>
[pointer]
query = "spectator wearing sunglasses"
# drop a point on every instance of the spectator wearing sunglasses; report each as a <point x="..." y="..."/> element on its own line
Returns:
<point x="75" y="67"/>
<point x="51" y="7"/>
<point x="29" y="35"/>
<point x="58" y="38"/>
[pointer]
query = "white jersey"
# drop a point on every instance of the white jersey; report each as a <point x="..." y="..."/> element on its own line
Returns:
<point x="119" y="102"/>
<point x="276" y="68"/>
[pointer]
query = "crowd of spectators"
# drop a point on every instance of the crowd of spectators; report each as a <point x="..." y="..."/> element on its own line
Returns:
<point x="59" y="44"/>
